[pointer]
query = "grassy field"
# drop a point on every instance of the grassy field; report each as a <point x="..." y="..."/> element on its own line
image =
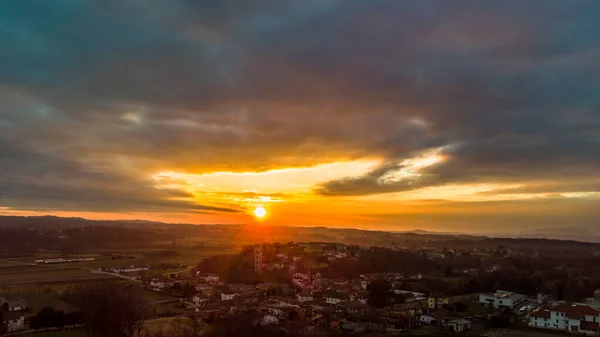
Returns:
<point x="65" y="333"/>
<point x="38" y="300"/>
<point x="154" y="296"/>
<point x="14" y="274"/>
<point x="21" y="276"/>
<point x="167" y="324"/>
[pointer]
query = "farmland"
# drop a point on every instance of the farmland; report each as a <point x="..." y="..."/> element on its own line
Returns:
<point x="62" y="333"/>
<point x="22" y="272"/>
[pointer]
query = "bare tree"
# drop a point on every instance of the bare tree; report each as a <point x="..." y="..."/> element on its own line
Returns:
<point x="178" y="328"/>
<point x="111" y="310"/>
<point x="195" y="327"/>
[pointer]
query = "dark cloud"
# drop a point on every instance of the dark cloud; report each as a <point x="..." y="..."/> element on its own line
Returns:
<point x="41" y="181"/>
<point x="510" y="88"/>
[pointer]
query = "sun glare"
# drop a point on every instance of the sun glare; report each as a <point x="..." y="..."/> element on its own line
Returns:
<point x="260" y="212"/>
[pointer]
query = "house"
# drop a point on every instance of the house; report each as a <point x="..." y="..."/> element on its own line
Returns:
<point x="334" y="297"/>
<point x="402" y="323"/>
<point x="18" y="305"/>
<point x="427" y="319"/>
<point x="301" y="276"/>
<point x="265" y="287"/>
<point x="376" y="325"/>
<point x="244" y="289"/>
<point x="502" y="299"/>
<point x="15" y="323"/>
<point x="276" y="266"/>
<point x="276" y="311"/>
<point x="353" y="326"/>
<point x="227" y="296"/>
<point x="302" y="280"/>
<point x="575" y="318"/>
<point x="416" y="277"/>
<point x="355" y="307"/>
<point x="304" y="297"/>
<point x="437" y="301"/>
<point x="298" y="328"/>
<point x="459" y="325"/>
<point x="206" y="289"/>
<point x="158" y="284"/>
<point x="269" y="319"/>
<point x="404" y="309"/>
<point x="209" y="278"/>
<point x="200" y="300"/>
<point x="283" y="303"/>
<point x="409" y="294"/>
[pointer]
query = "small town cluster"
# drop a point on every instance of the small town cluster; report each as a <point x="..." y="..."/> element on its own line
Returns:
<point x="305" y="300"/>
<point x="311" y="300"/>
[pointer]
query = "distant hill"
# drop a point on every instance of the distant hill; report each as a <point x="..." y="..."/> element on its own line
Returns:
<point x="562" y="233"/>
<point x="243" y="234"/>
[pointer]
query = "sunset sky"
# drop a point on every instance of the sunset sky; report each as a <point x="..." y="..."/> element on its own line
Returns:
<point x="478" y="116"/>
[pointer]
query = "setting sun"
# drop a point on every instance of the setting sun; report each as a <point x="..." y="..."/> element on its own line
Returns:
<point x="260" y="212"/>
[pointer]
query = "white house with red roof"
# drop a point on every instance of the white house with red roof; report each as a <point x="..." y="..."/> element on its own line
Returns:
<point x="574" y="318"/>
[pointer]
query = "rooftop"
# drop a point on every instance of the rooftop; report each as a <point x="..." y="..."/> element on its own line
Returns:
<point x="460" y="321"/>
<point x="540" y="314"/>
<point x="576" y="311"/>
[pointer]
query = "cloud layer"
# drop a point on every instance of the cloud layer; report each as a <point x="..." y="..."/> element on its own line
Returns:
<point x="95" y="97"/>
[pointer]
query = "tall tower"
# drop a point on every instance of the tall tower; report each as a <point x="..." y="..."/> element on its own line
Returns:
<point x="258" y="258"/>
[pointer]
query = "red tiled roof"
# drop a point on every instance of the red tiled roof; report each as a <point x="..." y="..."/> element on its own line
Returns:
<point x="592" y="326"/>
<point x="576" y="311"/>
<point x="540" y="314"/>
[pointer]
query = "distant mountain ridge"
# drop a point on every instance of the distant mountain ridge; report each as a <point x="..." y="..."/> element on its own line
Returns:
<point x="562" y="233"/>
<point x="54" y="222"/>
<point x="557" y="233"/>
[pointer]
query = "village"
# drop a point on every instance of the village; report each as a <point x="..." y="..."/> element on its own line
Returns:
<point x="372" y="302"/>
<point x="304" y="289"/>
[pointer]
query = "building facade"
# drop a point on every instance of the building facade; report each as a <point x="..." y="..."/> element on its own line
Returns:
<point x="573" y="318"/>
<point x="258" y="258"/>
<point x="502" y="299"/>
<point x="15" y="324"/>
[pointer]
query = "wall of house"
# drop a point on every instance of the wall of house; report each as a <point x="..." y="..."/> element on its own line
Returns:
<point x="573" y="325"/>
<point x="540" y="322"/>
<point x="16" y="324"/>
<point x="496" y="302"/>
<point x="558" y="320"/>
<point x="332" y="300"/>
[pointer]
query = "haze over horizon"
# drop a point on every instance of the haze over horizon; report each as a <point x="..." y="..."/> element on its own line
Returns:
<point x="453" y="117"/>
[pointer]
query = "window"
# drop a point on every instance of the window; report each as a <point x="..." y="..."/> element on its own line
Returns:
<point x="574" y="328"/>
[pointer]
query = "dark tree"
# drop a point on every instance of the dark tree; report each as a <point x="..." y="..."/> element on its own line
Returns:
<point x="379" y="293"/>
<point x="111" y="310"/>
<point x="3" y="326"/>
<point x="188" y="290"/>
<point x="47" y="317"/>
